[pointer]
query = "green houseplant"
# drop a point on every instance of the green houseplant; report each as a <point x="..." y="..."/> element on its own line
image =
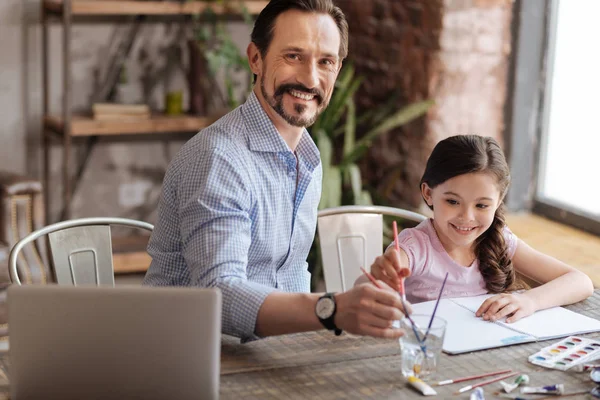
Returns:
<point x="340" y="171"/>
<point x="342" y="181"/>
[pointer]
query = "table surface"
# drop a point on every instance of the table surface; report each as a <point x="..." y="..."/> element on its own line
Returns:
<point x="320" y="365"/>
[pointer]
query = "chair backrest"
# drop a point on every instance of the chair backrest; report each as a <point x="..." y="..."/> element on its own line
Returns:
<point x="351" y="237"/>
<point x="81" y="249"/>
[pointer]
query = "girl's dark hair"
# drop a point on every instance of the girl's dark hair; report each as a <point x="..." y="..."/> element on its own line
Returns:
<point x="264" y="26"/>
<point x="464" y="154"/>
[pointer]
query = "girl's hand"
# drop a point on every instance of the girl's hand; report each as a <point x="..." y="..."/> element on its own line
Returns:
<point x="388" y="268"/>
<point x="512" y="305"/>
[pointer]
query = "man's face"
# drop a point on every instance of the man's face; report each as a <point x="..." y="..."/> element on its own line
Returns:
<point x="301" y="65"/>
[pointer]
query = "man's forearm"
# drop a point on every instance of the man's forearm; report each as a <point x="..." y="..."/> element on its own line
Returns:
<point x="283" y="313"/>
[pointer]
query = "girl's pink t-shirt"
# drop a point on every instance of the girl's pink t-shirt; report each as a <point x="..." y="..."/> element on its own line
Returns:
<point x="429" y="262"/>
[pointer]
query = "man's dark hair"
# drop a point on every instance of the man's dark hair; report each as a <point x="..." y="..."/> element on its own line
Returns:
<point x="262" y="34"/>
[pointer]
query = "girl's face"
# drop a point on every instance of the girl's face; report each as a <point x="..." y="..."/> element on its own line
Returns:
<point x="463" y="207"/>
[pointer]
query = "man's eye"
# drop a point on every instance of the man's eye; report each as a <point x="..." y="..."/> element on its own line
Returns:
<point x="293" y="56"/>
<point x="327" y="62"/>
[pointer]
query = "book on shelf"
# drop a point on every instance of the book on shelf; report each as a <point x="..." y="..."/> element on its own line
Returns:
<point x="115" y="111"/>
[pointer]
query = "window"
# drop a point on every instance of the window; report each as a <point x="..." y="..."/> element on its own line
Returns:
<point x="569" y="159"/>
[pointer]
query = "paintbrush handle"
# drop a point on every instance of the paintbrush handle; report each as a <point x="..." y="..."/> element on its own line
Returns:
<point x="468" y="378"/>
<point x="436" y="306"/>
<point x="467" y="388"/>
<point x="371" y="278"/>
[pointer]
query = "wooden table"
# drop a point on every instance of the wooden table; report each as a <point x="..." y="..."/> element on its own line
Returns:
<point x="320" y="365"/>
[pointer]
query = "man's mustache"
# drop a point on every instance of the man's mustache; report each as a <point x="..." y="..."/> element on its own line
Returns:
<point x="286" y="87"/>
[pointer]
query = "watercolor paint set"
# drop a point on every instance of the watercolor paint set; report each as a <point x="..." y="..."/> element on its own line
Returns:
<point x="567" y="353"/>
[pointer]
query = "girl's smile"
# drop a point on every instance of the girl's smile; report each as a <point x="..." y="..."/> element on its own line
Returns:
<point x="462" y="230"/>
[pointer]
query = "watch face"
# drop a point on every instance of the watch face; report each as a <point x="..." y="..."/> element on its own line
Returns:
<point x="325" y="307"/>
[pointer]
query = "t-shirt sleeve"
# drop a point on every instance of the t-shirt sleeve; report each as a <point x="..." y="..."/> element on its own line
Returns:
<point x="414" y="244"/>
<point x="511" y="241"/>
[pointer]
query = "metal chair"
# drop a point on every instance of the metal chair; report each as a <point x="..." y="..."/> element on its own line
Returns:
<point x="81" y="250"/>
<point x="351" y="237"/>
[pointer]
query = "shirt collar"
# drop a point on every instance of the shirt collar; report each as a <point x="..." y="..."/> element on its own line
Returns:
<point x="262" y="135"/>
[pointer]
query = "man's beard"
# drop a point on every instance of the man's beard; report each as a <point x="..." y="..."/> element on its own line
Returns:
<point x="276" y="102"/>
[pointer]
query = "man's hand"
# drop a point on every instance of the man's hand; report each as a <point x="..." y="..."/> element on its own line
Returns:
<point x="389" y="267"/>
<point x="512" y="305"/>
<point x="368" y="310"/>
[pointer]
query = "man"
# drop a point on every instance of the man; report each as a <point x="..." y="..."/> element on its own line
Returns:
<point x="239" y="203"/>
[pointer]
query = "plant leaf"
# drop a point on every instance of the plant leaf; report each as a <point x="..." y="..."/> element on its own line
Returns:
<point x="334" y="187"/>
<point x="401" y="117"/>
<point x="338" y="100"/>
<point x="365" y="199"/>
<point x="331" y="195"/>
<point x="350" y="131"/>
<point x="325" y="148"/>
<point x="355" y="181"/>
<point x="345" y="95"/>
<point x="385" y="110"/>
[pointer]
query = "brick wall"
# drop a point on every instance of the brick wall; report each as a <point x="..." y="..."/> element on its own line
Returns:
<point x="453" y="51"/>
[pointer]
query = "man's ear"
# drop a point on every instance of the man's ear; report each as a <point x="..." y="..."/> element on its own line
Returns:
<point x="426" y="193"/>
<point x="254" y="59"/>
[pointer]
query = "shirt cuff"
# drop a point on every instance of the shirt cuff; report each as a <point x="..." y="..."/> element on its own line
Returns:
<point x="242" y="300"/>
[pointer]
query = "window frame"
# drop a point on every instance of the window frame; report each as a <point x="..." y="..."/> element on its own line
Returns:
<point x="527" y="118"/>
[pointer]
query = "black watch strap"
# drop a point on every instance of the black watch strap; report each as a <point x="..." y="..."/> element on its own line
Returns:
<point x="329" y="323"/>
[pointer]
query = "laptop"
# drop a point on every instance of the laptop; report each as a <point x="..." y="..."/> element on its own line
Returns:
<point x="114" y="342"/>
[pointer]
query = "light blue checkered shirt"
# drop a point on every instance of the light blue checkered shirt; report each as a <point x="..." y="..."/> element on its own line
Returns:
<point x="237" y="213"/>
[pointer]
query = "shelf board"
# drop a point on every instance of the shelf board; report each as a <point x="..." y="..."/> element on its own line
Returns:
<point x="87" y="126"/>
<point x="131" y="262"/>
<point x="129" y="254"/>
<point x="136" y="7"/>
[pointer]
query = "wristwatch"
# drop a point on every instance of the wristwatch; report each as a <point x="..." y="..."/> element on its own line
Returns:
<point x="325" y="310"/>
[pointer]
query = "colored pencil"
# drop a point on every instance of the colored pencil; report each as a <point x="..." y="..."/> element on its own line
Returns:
<point x="435" y="307"/>
<point x="468" y="378"/>
<point x="470" y="387"/>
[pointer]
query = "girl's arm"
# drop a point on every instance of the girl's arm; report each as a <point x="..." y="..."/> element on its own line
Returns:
<point x="561" y="283"/>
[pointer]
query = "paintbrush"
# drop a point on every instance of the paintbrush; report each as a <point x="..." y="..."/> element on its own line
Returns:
<point x="436" y="306"/>
<point x="413" y="323"/>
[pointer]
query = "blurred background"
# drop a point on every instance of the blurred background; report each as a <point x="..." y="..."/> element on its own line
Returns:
<point x="97" y="96"/>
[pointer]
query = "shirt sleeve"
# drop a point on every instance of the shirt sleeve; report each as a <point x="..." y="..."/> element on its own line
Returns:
<point x="415" y="248"/>
<point x="214" y="207"/>
<point x="511" y="241"/>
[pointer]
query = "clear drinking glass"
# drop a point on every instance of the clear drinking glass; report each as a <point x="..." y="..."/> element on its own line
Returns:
<point x="421" y="359"/>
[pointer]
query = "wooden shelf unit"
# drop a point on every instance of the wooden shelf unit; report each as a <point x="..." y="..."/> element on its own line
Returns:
<point x="87" y="126"/>
<point x="159" y="8"/>
<point x="67" y="126"/>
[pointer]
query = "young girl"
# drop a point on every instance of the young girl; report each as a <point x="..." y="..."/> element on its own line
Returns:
<point x="465" y="181"/>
